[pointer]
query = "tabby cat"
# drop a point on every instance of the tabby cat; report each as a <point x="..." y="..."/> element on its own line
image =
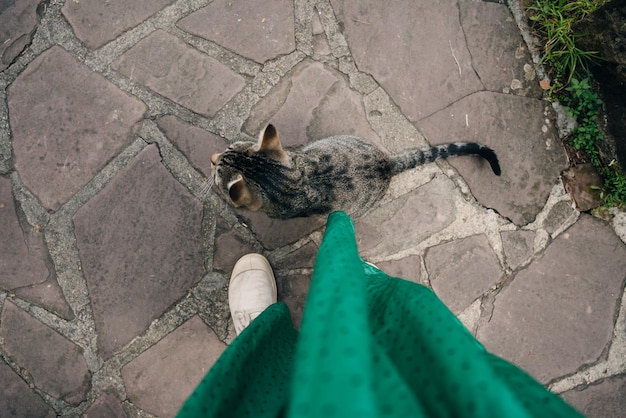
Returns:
<point x="336" y="173"/>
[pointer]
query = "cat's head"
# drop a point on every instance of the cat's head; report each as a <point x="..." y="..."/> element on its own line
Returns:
<point x="241" y="173"/>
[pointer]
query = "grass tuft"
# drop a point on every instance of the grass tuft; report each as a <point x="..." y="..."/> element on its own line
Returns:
<point x="571" y="85"/>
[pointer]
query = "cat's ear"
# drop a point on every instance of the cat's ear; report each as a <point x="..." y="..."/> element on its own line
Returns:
<point x="269" y="143"/>
<point x="241" y="195"/>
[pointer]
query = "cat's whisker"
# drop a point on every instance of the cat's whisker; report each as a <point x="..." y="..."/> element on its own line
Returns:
<point x="206" y="188"/>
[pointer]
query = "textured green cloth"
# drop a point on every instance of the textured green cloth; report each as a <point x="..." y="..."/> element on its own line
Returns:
<point x="370" y="345"/>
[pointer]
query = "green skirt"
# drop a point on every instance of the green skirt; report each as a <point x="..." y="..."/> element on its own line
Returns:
<point x="370" y="345"/>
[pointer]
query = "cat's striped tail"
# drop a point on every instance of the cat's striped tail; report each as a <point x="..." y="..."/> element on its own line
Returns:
<point x="413" y="158"/>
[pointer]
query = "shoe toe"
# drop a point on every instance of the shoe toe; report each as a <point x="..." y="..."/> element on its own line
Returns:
<point x="252" y="289"/>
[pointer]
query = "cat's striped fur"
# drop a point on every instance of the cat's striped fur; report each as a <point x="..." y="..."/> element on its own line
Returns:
<point x="336" y="173"/>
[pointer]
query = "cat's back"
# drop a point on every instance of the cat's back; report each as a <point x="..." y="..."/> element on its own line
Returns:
<point x="347" y="172"/>
<point x="342" y="144"/>
<point x="346" y="156"/>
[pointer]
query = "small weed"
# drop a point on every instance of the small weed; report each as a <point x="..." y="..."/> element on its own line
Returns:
<point x="555" y="19"/>
<point x="571" y="85"/>
<point x="586" y="107"/>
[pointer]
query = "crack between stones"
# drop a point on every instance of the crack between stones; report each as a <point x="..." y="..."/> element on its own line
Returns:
<point x="40" y="11"/>
<point x="469" y="95"/>
<point x="469" y="51"/>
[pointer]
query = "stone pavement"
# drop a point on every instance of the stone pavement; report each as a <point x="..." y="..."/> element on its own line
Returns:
<point x="114" y="261"/>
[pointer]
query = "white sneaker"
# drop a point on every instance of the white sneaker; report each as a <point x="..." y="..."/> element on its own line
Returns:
<point x="252" y="289"/>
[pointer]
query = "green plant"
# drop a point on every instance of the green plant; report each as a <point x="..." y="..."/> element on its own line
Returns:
<point x="555" y="19"/>
<point x="571" y="85"/>
<point x="613" y="193"/>
<point x="586" y="107"/>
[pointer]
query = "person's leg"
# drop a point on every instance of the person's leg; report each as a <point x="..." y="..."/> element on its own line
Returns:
<point x="250" y="379"/>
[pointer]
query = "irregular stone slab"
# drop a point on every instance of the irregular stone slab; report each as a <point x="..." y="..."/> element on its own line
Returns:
<point x="20" y="265"/>
<point x="427" y="210"/>
<point x="160" y="379"/>
<point x="230" y="246"/>
<point x="313" y="102"/>
<point x="602" y="400"/>
<point x="196" y="144"/>
<point x="22" y="259"/>
<point x="211" y="298"/>
<point x="275" y="233"/>
<point x="461" y="271"/>
<point x="140" y="246"/>
<point x="257" y="30"/>
<point x="516" y="127"/>
<point x="518" y="246"/>
<point x="302" y="258"/>
<point x="497" y="48"/>
<point x="106" y="406"/>
<point x="294" y="290"/>
<point x="408" y="268"/>
<point x="558" y="313"/>
<point x="17" y="399"/>
<point x="98" y="22"/>
<point x="416" y="52"/>
<point x="67" y="123"/>
<point x="179" y="72"/>
<point x="48" y="295"/>
<point x="56" y="365"/>
<point x="559" y="213"/>
<point x="618" y="222"/>
<point x="18" y="19"/>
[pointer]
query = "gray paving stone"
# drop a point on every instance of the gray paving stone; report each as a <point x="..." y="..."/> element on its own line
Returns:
<point x="196" y="144"/>
<point x="561" y="212"/>
<point x="408" y="268"/>
<point x="428" y="210"/>
<point x="179" y="72"/>
<point x="22" y="259"/>
<point x="320" y="42"/>
<point x="606" y="399"/>
<point x="56" y="365"/>
<point x="416" y="52"/>
<point x="21" y="254"/>
<point x="462" y="270"/>
<point x="257" y="30"/>
<point x="48" y="295"/>
<point x="229" y="247"/>
<point x="275" y="233"/>
<point x="558" y="313"/>
<point x="518" y="246"/>
<point x="498" y="52"/>
<point x="293" y="290"/>
<point x="141" y="248"/>
<point x="18" y="19"/>
<point x="98" y="22"/>
<point x="67" y="123"/>
<point x="314" y="102"/>
<point x="106" y="406"/>
<point x="17" y="399"/>
<point x="211" y="297"/>
<point x="302" y="258"/>
<point x="518" y="129"/>
<point x="161" y="378"/>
